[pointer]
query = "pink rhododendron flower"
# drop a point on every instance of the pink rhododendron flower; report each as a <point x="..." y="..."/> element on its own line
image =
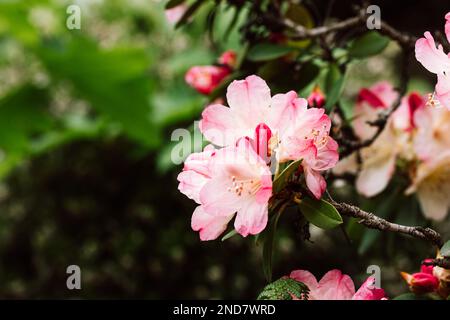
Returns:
<point x="423" y="281"/>
<point x="224" y="182"/>
<point x="337" y="286"/>
<point x="296" y="132"/>
<point x="205" y="79"/>
<point x="371" y="102"/>
<point x="173" y="15"/>
<point x="435" y="60"/>
<point x="432" y="134"/>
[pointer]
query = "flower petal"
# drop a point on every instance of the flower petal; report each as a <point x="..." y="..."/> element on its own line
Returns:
<point x="432" y="58"/>
<point x="307" y="278"/>
<point x="315" y="182"/>
<point x="378" y="165"/>
<point x="368" y="291"/>
<point x="218" y="125"/>
<point x="209" y="226"/>
<point x="191" y="183"/>
<point x="251" y="218"/>
<point x="447" y="26"/>
<point x="250" y="97"/>
<point x="335" y="286"/>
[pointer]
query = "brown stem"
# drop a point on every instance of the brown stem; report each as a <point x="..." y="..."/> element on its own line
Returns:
<point x="440" y="262"/>
<point x="374" y="222"/>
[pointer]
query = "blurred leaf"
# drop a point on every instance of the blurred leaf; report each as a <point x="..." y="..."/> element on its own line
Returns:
<point x="309" y="73"/>
<point x="23" y="114"/>
<point x="113" y="81"/>
<point x="285" y="289"/>
<point x="301" y="16"/>
<point x="267" y="51"/>
<point x="189" y="12"/>
<point x="445" y="250"/>
<point x="371" y="43"/>
<point x="334" y="84"/>
<point x="280" y="182"/>
<point x="269" y="241"/>
<point x="320" y="213"/>
<point x="173" y="3"/>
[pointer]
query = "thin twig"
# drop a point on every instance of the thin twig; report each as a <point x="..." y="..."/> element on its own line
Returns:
<point x="440" y="262"/>
<point x="374" y="222"/>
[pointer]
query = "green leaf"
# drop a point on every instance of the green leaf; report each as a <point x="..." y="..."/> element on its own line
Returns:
<point x="320" y="213"/>
<point x="229" y="235"/>
<point x="334" y="84"/>
<point x="269" y="240"/>
<point x="98" y="75"/>
<point x="309" y="72"/>
<point x="280" y="182"/>
<point x="369" y="44"/>
<point x="267" y="51"/>
<point x="173" y="3"/>
<point x="445" y="250"/>
<point x="284" y="289"/>
<point x="189" y="12"/>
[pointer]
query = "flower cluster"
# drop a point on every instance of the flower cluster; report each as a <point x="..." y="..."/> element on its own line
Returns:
<point x="254" y="133"/>
<point x="414" y="136"/>
<point x="337" y="286"/>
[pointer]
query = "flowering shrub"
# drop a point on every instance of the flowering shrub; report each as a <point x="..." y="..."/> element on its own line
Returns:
<point x="270" y="151"/>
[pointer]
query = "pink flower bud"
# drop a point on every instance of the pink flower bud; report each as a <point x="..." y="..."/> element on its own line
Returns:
<point x="421" y="282"/>
<point x="228" y="58"/>
<point x="205" y="79"/>
<point x="261" y="143"/>
<point x="316" y="99"/>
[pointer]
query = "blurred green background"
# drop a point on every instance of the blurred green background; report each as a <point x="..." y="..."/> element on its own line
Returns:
<point x="85" y="170"/>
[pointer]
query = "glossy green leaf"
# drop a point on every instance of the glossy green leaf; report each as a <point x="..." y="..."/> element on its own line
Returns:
<point x="445" y="250"/>
<point x="369" y="44"/>
<point x="334" y="84"/>
<point x="281" y="180"/>
<point x="267" y="51"/>
<point x="320" y="213"/>
<point x="269" y="241"/>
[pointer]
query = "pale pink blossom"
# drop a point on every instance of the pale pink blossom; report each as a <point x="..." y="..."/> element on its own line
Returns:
<point x="394" y="142"/>
<point x="435" y="60"/>
<point x="431" y="183"/>
<point x="293" y="131"/>
<point x="337" y="286"/>
<point x="226" y="181"/>
<point x="371" y="102"/>
<point x="240" y="182"/>
<point x="432" y="135"/>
